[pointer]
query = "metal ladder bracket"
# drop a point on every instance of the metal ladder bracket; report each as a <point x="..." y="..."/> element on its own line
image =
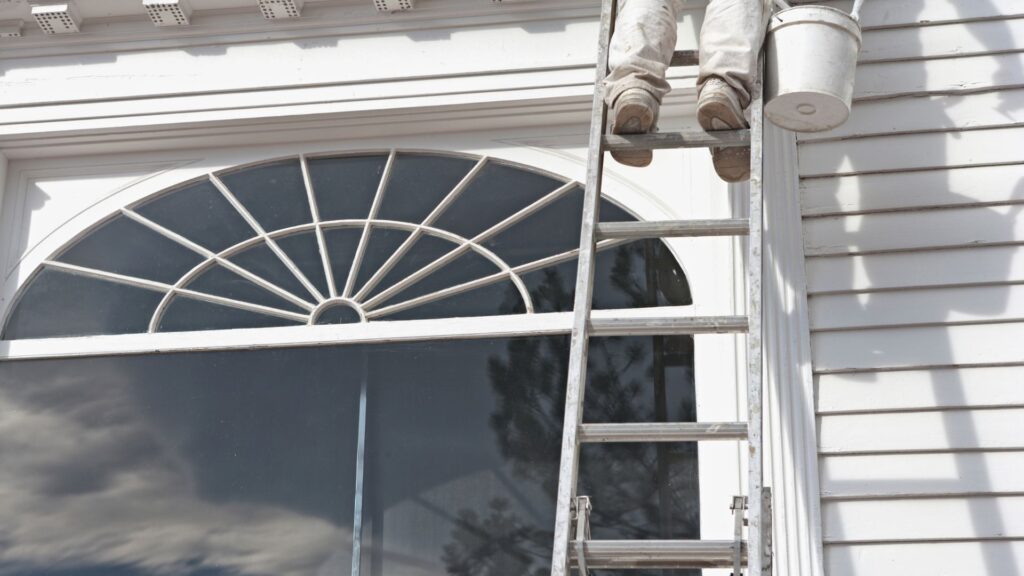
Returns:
<point x="739" y="508"/>
<point x="581" y="516"/>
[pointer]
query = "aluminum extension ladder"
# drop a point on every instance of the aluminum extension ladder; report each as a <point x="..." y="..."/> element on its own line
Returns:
<point x="573" y="547"/>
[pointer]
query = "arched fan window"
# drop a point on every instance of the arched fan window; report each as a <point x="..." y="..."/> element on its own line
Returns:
<point x="335" y="239"/>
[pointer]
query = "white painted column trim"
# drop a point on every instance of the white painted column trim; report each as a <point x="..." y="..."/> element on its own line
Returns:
<point x="791" y="436"/>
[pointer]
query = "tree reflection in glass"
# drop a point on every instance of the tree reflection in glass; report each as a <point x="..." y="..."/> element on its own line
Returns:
<point x="477" y="468"/>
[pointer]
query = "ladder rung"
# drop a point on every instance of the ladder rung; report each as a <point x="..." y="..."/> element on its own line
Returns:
<point x="691" y="138"/>
<point x="663" y="432"/>
<point x="685" y="58"/>
<point x="625" y="554"/>
<point x="673" y="229"/>
<point x="630" y="323"/>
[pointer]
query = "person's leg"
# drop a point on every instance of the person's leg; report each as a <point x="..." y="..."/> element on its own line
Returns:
<point x="730" y="41"/>
<point x="640" y="52"/>
<point x="641" y="48"/>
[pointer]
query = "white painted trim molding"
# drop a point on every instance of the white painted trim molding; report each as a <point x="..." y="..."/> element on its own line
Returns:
<point x="789" y="386"/>
<point x="378" y="332"/>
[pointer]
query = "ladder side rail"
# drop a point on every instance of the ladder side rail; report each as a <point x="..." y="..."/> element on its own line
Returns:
<point x="755" y="335"/>
<point x="575" y="384"/>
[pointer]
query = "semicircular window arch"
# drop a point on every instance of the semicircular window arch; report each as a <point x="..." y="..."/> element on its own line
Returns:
<point x="382" y="235"/>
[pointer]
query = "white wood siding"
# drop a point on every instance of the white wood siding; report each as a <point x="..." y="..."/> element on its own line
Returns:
<point x="913" y="233"/>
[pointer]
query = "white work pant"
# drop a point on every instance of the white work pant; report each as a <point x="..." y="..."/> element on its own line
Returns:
<point x="645" y="37"/>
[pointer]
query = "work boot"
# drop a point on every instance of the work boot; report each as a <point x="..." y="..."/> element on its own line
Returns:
<point x="635" y="111"/>
<point x="718" y="108"/>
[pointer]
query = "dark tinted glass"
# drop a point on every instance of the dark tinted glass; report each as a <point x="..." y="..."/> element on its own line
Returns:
<point x="247" y="462"/>
<point x="635" y="275"/>
<point x="552" y="230"/>
<point x="498" y="298"/>
<point x="497" y="192"/>
<point x="467" y="266"/>
<point x="462" y="456"/>
<point x="234" y="463"/>
<point x="304" y="251"/>
<point x="186" y="313"/>
<point x="418" y="183"/>
<point x="126" y="247"/>
<point x="273" y="193"/>
<point x="61" y="304"/>
<point x="380" y="245"/>
<point x="200" y="213"/>
<point x="220" y="281"/>
<point x="263" y="262"/>
<point x="345" y="187"/>
<point x="342" y="244"/>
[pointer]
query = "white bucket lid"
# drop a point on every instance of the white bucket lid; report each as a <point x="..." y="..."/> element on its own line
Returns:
<point x="815" y="15"/>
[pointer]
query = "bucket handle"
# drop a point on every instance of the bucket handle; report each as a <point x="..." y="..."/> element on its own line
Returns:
<point x="855" y="13"/>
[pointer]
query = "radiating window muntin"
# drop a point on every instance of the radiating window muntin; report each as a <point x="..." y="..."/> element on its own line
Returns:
<point x="390" y="234"/>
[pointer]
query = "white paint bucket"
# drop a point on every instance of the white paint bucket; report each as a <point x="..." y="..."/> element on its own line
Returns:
<point x="812" y="57"/>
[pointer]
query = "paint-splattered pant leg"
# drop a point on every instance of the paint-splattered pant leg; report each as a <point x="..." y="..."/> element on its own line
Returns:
<point x="645" y="37"/>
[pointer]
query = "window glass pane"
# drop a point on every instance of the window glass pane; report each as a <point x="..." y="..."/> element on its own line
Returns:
<point x="498" y="298"/>
<point x="418" y="183"/>
<point x="200" y="213"/>
<point x="239" y="463"/>
<point x="466" y="267"/>
<point x="635" y="275"/>
<point x="345" y="186"/>
<point x="612" y="213"/>
<point x="552" y="230"/>
<point x="246" y="462"/>
<point x="342" y="244"/>
<point x="463" y="443"/>
<point x="498" y="191"/>
<point x="274" y="193"/>
<point x="184" y="313"/>
<point x="220" y="281"/>
<point x="381" y="244"/>
<point x="304" y="251"/>
<point x="263" y="262"/>
<point x="126" y="247"/>
<point x="61" y="304"/>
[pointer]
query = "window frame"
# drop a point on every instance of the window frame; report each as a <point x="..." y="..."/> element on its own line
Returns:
<point x="718" y="358"/>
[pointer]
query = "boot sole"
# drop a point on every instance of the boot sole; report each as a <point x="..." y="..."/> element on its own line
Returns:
<point x="633" y="118"/>
<point x="718" y="113"/>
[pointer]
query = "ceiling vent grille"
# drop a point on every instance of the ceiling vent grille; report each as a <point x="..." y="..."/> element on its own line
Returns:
<point x="280" y="9"/>
<point x="168" y="12"/>
<point x="10" y="29"/>
<point x="393" y="5"/>
<point x="61" y="18"/>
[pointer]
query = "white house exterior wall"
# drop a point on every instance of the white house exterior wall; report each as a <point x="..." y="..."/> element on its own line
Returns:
<point x="912" y="234"/>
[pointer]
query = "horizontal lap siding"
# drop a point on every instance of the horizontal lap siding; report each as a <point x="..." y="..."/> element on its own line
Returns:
<point x="914" y="237"/>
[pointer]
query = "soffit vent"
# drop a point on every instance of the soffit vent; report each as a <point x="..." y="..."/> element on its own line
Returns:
<point x="60" y="18"/>
<point x="10" y="28"/>
<point x="280" y="9"/>
<point x="393" y="5"/>
<point x="168" y="12"/>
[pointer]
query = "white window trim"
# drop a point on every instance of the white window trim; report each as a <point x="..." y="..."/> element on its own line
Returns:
<point x="377" y="332"/>
<point x="791" y="427"/>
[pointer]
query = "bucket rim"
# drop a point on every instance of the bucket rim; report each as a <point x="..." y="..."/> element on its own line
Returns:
<point x="847" y="22"/>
